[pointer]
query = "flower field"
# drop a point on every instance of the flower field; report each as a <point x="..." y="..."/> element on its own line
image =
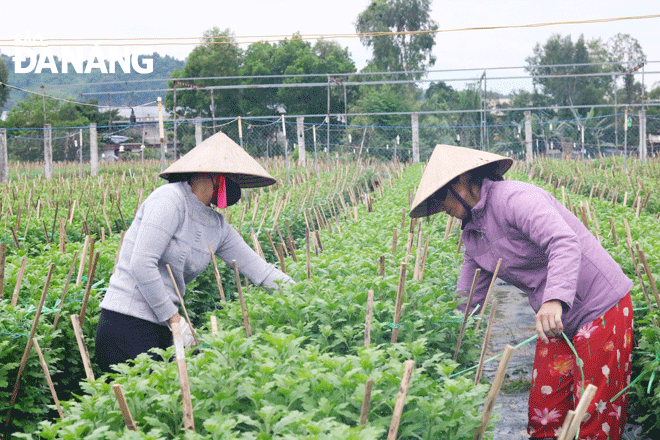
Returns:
<point x="374" y="291"/>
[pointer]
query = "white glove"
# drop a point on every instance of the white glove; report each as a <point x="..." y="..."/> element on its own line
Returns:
<point x="186" y="333"/>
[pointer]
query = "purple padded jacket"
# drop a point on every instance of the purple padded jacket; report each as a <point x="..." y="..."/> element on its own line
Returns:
<point x="546" y="252"/>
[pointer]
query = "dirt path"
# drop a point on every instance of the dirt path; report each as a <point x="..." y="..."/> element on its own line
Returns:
<point x="514" y="324"/>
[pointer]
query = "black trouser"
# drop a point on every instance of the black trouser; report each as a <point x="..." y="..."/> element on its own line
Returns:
<point x="121" y="337"/>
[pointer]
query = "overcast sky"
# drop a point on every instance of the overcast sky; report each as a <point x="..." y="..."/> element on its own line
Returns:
<point x="467" y="49"/>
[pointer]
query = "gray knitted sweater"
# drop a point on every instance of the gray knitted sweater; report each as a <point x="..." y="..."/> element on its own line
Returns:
<point x="174" y="227"/>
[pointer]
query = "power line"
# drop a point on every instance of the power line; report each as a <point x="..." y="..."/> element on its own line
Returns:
<point x="230" y="39"/>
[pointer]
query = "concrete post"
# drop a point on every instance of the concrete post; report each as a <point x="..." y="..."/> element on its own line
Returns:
<point x="300" y="127"/>
<point x="414" y="119"/>
<point x="93" y="150"/>
<point x="4" y="157"/>
<point x="529" y="148"/>
<point x="198" y="130"/>
<point x="642" y="135"/>
<point x="48" y="151"/>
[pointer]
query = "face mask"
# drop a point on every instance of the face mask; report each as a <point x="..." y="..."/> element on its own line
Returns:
<point x="466" y="205"/>
<point x="222" y="193"/>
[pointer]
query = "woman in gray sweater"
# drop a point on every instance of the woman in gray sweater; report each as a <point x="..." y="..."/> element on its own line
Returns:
<point x="175" y="226"/>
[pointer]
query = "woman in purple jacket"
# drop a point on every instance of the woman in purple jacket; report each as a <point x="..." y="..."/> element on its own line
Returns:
<point x="575" y="287"/>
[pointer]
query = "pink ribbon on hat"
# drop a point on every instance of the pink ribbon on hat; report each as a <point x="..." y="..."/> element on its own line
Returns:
<point x="222" y="194"/>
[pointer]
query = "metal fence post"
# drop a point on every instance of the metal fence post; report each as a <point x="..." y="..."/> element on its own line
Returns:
<point x="93" y="150"/>
<point x="415" y="137"/>
<point x="4" y="157"/>
<point x="48" y="151"/>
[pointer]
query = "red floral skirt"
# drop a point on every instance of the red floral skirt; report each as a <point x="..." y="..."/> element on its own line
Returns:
<point x="604" y="348"/>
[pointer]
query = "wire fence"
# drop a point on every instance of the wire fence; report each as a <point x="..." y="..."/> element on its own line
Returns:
<point x="499" y="131"/>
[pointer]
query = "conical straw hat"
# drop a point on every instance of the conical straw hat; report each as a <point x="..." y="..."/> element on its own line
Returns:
<point x="448" y="162"/>
<point x="220" y="154"/>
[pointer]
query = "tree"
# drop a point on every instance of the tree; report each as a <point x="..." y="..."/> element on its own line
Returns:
<point x="34" y="111"/>
<point x="218" y="55"/>
<point x="4" y="76"/>
<point x="562" y="69"/>
<point x="409" y="35"/>
<point x="627" y="54"/>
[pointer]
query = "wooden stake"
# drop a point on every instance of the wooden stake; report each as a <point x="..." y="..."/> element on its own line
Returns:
<point x="400" y="400"/>
<point x="309" y="267"/>
<point x="494" y="391"/>
<point x="280" y="255"/>
<point x="394" y="239"/>
<point x="125" y="411"/>
<point x="65" y="290"/>
<point x="490" y="289"/>
<point x="31" y="340"/>
<point x="246" y="319"/>
<point x="580" y="410"/>
<point x="649" y="275"/>
<point x="84" y="354"/>
<point x="83" y="259"/>
<point x="218" y="279"/>
<point x="381" y="266"/>
<point x="370" y="314"/>
<point x="214" y="325"/>
<point x="467" y="313"/>
<point x="484" y="347"/>
<point x="90" y="281"/>
<point x="366" y="401"/>
<point x="19" y="282"/>
<point x="399" y="303"/>
<point x="183" y="306"/>
<point x="180" y="352"/>
<point x="3" y="254"/>
<point x="44" y="367"/>
<point x="614" y="237"/>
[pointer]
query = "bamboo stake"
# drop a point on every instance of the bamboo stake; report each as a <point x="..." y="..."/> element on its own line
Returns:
<point x="490" y="289"/>
<point x="30" y="341"/>
<point x="51" y="387"/>
<point x="183" y="306"/>
<point x="614" y="237"/>
<point x="494" y="391"/>
<point x="214" y="325"/>
<point x="394" y="240"/>
<point x="125" y="411"/>
<point x="3" y="254"/>
<point x="65" y="290"/>
<point x="83" y="259"/>
<point x="484" y="347"/>
<point x="19" y="282"/>
<point x="649" y="275"/>
<point x="82" y="347"/>
<point x="90" y="281"/>
<point x="420" y="276"/>
<point x="580" y="410"/>
<point x="218" y="279"/>
<point x="399" y="303"/>
<point x="188" y="418"/>
<point x="467" y="313"/>
<point x="369" y="317"/>
<point x="255" y="243"/>
<point x="400" y="401"/>
<point x="280" y="256"/>
<point x="366" y="401"/>
<point x="13" y="234"/>
<point x="309" y="266"/>
<point x="246" y="318"/>
<point x="381" y="266"/>
<point x="63" y="236"/>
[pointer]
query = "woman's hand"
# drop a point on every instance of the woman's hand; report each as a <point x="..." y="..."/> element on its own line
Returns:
<point x="548" y="320"/>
